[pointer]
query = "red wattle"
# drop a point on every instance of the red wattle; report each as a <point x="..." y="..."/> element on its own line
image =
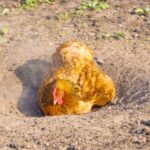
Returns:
<point x="60" y="101"/>
<point x="56" y="99"/>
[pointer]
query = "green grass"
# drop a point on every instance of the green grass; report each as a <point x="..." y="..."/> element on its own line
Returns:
<point x="81" y="9"/>
<point x="4" y="11"/>
<point x="64" y="15"/>
<point x="31" y="4"/>
<point x="142" y="10"/>
<point x="115" y="35"/>
<point x="93" y="5"/>
<point x="3" y="31"/>
<point x="118" y="35"/>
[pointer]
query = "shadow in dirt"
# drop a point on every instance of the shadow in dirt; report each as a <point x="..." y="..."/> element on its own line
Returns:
<point x="31" y="74"/>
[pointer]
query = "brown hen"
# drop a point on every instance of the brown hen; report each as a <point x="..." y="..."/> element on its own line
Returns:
<point x="76" y="86"/>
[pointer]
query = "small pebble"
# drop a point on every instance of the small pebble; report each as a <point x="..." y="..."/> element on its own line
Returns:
<point x="12" y="145"/>
<point x="146" y="123"/>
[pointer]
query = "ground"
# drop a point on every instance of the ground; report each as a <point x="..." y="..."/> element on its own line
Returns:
<point x="26" y="53"/>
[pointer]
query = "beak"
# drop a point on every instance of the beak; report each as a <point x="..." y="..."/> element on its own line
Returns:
<point x="58" y="101"/>
<point x="55" y="102"/>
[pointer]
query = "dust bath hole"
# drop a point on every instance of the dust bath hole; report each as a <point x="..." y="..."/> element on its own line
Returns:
<point x="132" y="85"/>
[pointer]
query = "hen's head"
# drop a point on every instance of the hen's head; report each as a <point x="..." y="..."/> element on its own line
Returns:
<point x="60" y="90"/>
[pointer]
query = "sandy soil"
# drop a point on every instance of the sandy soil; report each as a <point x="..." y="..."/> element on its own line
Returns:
<point x="27" y="53"/>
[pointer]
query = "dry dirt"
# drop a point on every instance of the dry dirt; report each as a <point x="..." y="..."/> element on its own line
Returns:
<point x="26" y="55"/>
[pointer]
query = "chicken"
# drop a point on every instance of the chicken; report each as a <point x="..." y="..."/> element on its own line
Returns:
<point x="77" y="85"/>
<point x="59" y="97"/>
